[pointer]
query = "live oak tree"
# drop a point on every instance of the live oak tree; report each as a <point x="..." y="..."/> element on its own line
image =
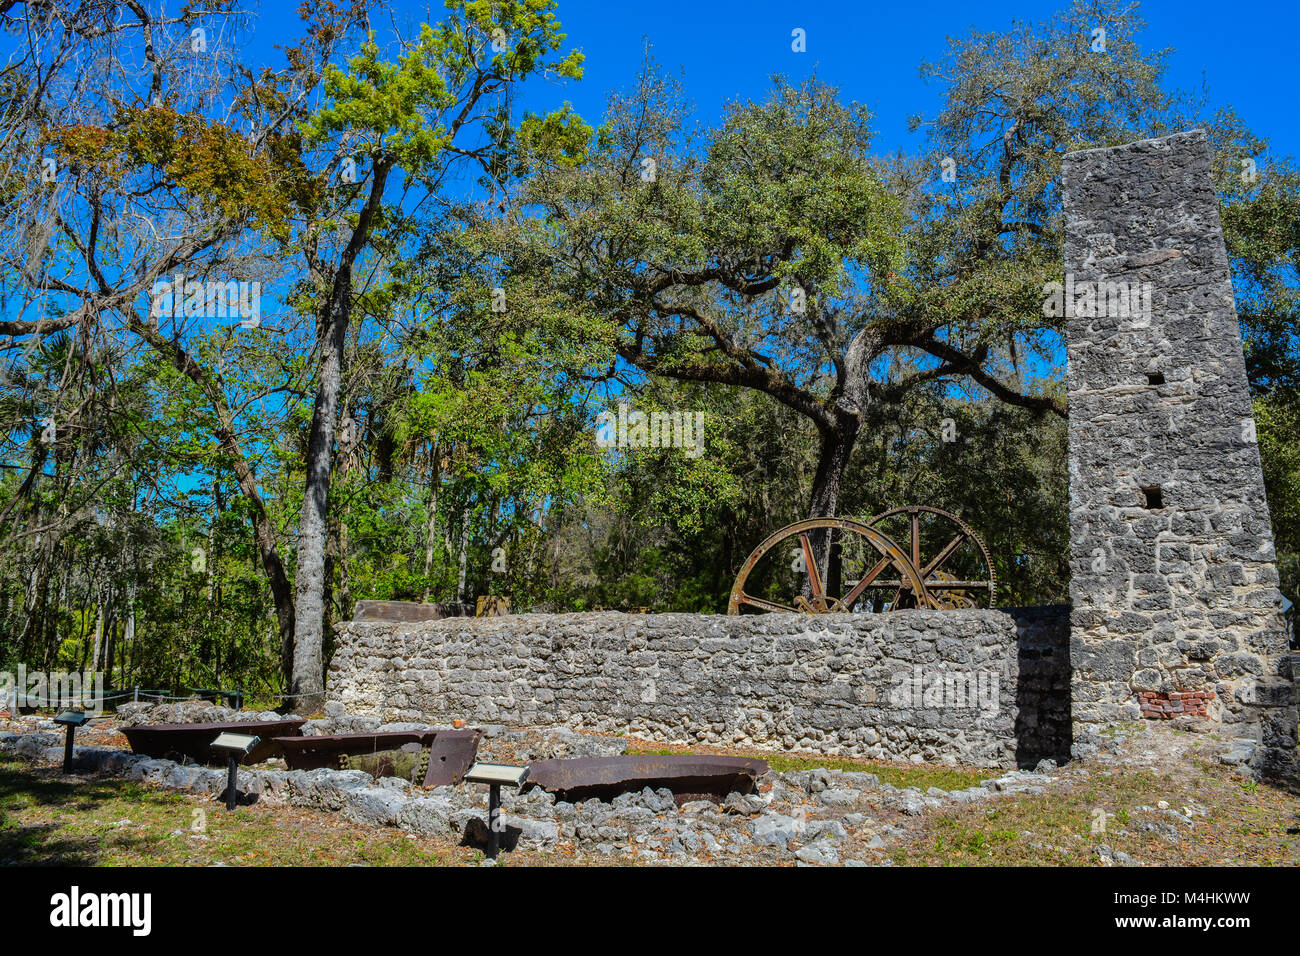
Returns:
<point x="763" y="258"/>
<point x="728" y="262"/>
<point x="776" y="254"/>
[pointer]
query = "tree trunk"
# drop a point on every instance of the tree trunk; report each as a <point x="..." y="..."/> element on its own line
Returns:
<point x="308" y="684"/>
<point x="33" y="626"/>
<point x="464" y="557"/>
<point x="832" y="460"/>
<point x="99" y="635"/>
<point x="341" y="562"/>
<point x="431" y="532"/>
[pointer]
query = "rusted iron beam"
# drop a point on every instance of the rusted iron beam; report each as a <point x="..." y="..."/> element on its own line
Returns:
<point x="491" y="605"/>
<point x="407" y="612"/>
<point x="310" y="753"/>
<point x="193" y="740"/>
<point x="688" y="776"/>
<point x="451" y="753"/>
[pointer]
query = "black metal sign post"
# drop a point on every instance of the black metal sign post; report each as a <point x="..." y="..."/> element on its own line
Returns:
<point x="494" y="775"/>
<point x="72" y="719"/>
<point x="232" y="781"/>
<point x="234" y="746"/>
<point x="494" y="813"/>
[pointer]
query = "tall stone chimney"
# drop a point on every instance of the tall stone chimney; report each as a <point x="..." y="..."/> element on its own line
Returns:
<point x="1174" y="585"/>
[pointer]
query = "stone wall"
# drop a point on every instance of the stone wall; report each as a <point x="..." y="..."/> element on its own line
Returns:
<point x="1176" y="608"/>
<point x="1176" y="612"/>
<point x="894" y="686"/>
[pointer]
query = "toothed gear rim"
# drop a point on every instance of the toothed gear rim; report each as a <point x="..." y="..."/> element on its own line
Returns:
<point x="966" y="529"/>
<point x="821" y="603"/>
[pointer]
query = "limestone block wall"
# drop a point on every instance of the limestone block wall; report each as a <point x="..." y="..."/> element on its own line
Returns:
<point x="1174" y="587"/>
<point x="981" y="687"/>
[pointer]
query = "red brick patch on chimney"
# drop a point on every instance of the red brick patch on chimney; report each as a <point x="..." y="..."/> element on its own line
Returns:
<point x="1194" y="703"/>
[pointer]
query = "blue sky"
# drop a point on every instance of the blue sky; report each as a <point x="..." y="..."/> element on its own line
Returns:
<point x="1246" y="51"/>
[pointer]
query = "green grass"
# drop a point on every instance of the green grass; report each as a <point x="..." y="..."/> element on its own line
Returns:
<point x="923" y="776"/>
<point x="47" y="820"/>
<point x="952" y="836"/>
<point x="1055" y="829"/>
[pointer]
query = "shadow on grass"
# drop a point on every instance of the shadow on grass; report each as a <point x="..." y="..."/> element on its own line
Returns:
<point x="42" y="790"/>
<point x="42" y="845"/>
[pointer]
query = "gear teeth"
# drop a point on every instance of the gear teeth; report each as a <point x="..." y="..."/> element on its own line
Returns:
<point x="866" y="529"/>
<point x="969" y="531"/>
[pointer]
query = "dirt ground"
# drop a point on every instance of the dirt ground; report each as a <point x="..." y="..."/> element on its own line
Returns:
<point x="1157" y="797"/>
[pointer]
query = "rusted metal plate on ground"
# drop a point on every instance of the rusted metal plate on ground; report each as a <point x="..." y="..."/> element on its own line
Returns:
<point x="491" y="605"/>
<point x="450" y="755"/>
<point x="407" y="612"/>
<point x="193" y="740"/>
<point x="688" y="776"/>
<point x="311" y="753"/>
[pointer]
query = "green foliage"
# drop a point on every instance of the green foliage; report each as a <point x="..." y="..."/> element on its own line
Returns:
<point x="1277" y="421"/>
<point x="645" y="261"/>
<point x="796" y="169"/>
<point x="395" y="108"/>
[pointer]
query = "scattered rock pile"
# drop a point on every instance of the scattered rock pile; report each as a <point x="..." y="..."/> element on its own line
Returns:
<point x="809" y="817"/>
<point x="189" y="712"/>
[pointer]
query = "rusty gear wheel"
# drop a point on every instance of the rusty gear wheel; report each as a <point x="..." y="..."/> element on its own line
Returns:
<point x="943" y="588"/>
<point x="869" y="546"/>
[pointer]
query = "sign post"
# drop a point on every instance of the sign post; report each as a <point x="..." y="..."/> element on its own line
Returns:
<point x="234" y="746"/>
<point x="72" y="719"/>
<point x="494" y="775"/>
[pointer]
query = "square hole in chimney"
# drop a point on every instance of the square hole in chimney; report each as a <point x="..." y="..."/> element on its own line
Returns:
<point x="1152" y="498"/>
<point x="1155" y="378"/>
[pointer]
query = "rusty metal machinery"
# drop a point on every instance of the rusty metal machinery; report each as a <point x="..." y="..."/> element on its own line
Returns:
<point x="942" y="563"/>
<point x="688" y="776"/>
<point x="957" y="573"/>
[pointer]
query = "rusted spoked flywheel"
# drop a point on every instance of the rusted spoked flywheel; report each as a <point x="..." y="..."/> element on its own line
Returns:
<point x="948" y="554"/>
<point x="801" y="586"/>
